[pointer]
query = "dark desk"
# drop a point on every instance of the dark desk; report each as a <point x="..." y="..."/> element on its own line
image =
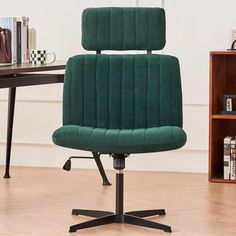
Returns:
<point x="24" y="75"/>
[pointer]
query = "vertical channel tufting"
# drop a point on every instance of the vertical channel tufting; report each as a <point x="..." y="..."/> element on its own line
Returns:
<point x="115" y="92"/>
<point x="116" y="28"/>
<point x="140" y="93"/>
<point x="70" y="99"/>
<point x="165" y="91"/>
<point x="160" y="78"/>
<point x="90" y="87"/>
<point x="148" y="30"/>
<point x="169" y="91"/>
<point x="136" y="28"/>
<point x="146" y="90"/>
<point x="102" y="90"/>
<point x="67" y="94"/>
<point x="76" y="90"/>
<point x="144" y="85"/>
<point x="103" y="28"/>
<point x="153" y="88"/>
<point x="129" y="29"/>
<point x="172" y="94"/>
<point x="134" y="85"/>
<point x="127" y="92"/>
<point x="135" y="94"/>
<point x="96" y="34"/>
<point x="149" y="25"/>
<point x="158" y="93"/>
<point x="123" y="25"/>
<point x="67" y="98"/>
<point x="108" y="88"/>
<point x="121" y="94"/>
<point x="96" y="92"/>
<point x="84" y="108"/>
<point x="109" y="28"/>
<point x="142" y="32"/>
<point x="109" y="94"/>
<point x="82" y="92"/>
<point x="148" y="114"/>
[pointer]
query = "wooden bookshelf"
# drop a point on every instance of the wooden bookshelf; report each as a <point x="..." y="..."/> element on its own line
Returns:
<point x="222" y="81"/>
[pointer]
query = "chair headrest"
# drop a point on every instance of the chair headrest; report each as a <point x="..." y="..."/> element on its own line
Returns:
<point x="123" y="28"/>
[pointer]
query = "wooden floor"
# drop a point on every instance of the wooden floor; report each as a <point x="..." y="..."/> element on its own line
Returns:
<point x="38" y="202"/>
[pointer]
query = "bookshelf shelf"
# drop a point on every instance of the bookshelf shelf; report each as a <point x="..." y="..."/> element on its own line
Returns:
<point x="222" y="81"/>
<point x="221" y="180"/>
<point x="223" y="117"/>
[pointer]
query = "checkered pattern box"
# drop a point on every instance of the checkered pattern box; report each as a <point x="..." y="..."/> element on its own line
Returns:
<point x="38" y="57"/>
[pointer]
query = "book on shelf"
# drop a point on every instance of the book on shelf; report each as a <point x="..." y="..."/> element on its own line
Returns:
<point x="32" y="39"/>
<point x="24" y="35"/>
<point x="18" y="40"/>
<point x="232" y="159"/>
<point x="229" y="104"/>
<point x="20" y="43"/>
<point x="227" y="152"/>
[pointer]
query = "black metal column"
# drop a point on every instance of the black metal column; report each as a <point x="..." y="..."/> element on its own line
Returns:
<point x="119" y="165"/>
<point x="119" y="193"/>
<point x="11" y="108"/>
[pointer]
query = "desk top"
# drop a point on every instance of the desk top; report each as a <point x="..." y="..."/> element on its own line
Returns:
<point x="25" y="68"/>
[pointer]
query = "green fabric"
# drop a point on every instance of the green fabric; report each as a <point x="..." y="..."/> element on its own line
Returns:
<point x="122" y="91"/>
<point x="122" y="103"/>
<point x="131" y="28"/>
<point x="120" y="141"/>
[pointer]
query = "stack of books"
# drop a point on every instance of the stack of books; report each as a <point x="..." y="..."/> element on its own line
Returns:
<point x="23" y="38"/>
<point x="230" y="158"/>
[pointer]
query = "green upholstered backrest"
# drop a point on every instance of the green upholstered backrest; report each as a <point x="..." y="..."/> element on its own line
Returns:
<point x="114" y="28"/>
<point x="122" y="91"/>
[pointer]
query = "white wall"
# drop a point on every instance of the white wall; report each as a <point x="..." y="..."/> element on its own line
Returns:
<point x="193" y="29"/>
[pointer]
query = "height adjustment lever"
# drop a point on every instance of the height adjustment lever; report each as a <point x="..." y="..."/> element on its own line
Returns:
<point x="96" y="157"/>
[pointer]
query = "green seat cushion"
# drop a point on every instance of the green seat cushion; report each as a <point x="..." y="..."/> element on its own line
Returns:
<point x="123" y="28"/>
<point x="120" y="140"/>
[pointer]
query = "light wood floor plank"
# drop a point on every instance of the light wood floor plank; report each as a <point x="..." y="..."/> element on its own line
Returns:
<point x="38" y="202"/>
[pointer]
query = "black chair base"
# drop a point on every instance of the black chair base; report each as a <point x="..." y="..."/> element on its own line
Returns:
<point x="132" y="217"/>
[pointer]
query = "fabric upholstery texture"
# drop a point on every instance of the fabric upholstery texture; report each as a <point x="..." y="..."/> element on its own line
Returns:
<point x="115" y="28"/>
<point x="120" y="140"/>
<point x="122" y="104"/>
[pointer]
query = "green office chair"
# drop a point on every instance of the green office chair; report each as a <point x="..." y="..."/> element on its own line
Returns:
<point x="122" y="104"/>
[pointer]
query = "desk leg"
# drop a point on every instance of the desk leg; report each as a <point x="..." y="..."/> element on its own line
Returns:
<point x="11" y="108"/>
